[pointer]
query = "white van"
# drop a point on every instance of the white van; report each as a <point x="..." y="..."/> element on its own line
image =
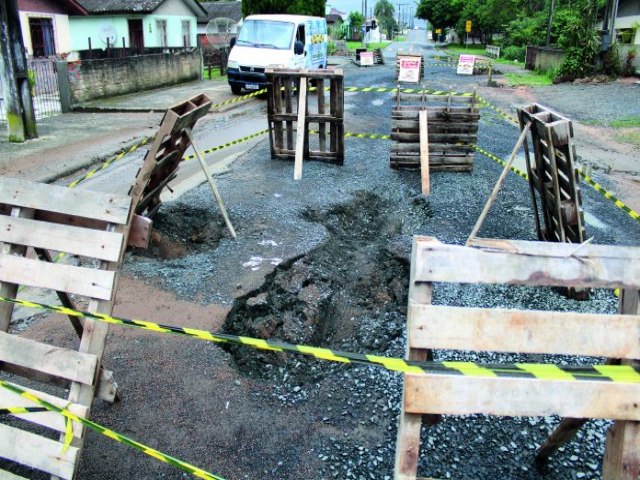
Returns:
<point x="286" y="41"/>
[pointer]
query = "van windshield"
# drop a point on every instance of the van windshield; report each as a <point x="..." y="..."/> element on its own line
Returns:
<point x="266" y="34"/>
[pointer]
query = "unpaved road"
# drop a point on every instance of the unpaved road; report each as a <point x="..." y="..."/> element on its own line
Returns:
<point x="322" y="261"/>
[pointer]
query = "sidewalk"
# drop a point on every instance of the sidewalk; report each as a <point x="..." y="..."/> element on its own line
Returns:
<point x="73" y="141"/>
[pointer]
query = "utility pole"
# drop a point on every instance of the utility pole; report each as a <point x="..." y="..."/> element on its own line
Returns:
<point x="549" y="22"/>
<point x="21" y="119"/>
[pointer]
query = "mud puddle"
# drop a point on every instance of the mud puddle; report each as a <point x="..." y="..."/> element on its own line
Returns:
<point x="349" y="293"/>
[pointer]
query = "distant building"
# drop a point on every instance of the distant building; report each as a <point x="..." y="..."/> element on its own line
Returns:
<point x="628" y="22"/>
<point x="45" y="26"/>
<point x="231" y="10"/>
<point x="135" y="24"/>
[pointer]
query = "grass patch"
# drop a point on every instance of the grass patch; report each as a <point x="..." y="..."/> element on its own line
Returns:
<point x="456" y="50"/>
<point x="534" y="79"/>
<point x="629" y="137"/>
<point x="626" y="122"/>
<point x="215" y="74"/>
<point x="370" y="46"/>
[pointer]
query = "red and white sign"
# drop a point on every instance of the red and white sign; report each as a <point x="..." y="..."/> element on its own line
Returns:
<point x="366" y="58"/>
<point x="465" y="64"/>
<point x="409" y="69"/>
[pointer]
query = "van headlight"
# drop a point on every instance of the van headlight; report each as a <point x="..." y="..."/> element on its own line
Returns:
<point x="232" y="64"/>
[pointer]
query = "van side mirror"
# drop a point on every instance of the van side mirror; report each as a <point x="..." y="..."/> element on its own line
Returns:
<point x="232" y="42"/>
<point x="298" y="47"/>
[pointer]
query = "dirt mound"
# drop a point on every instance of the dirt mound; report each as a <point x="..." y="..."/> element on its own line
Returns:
<point x="349" y="293"/>
<point x="180" y="230"/>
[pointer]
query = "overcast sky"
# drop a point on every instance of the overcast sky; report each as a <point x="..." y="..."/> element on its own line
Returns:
<point x="348" y="6"/>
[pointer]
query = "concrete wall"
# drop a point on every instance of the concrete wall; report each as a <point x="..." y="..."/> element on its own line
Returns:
<point x="93" y="79"/>
<point x="541" y="58"/>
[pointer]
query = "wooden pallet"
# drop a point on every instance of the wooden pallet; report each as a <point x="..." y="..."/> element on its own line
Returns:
<point x="284" y="115"/>
<point x="92" y="229"/>
<point x="452" y="131"/>
<point x="505" y="262"/>
<point x="553" y="176"/>
<point x="163" y="158"/>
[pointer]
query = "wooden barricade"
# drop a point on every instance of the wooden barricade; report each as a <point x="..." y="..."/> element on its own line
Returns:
<point x="91" y="227"/>
<point x="284" y="114"/>
<point x="163" y="158"/>
<point x="554" y="179"/>
<point x="415" y="56"/>
<point x="453" y="131"/>
<point x="506" y="262"/>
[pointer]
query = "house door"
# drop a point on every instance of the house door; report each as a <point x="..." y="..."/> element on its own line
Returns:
<point x="136" y="35"/>
<point x="42" y="39"/>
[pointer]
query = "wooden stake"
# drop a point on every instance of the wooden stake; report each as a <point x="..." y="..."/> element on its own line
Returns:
<point x="496" y="189"/>
<point x="424" y="151"/>
<point x="301" y="127"/>
<point x="212" y="183"/>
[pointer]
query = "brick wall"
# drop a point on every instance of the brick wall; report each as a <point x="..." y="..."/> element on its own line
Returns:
<point x="93" y="79"/>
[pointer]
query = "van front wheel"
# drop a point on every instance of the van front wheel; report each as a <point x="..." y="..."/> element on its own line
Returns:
<point x="236" y="90"/>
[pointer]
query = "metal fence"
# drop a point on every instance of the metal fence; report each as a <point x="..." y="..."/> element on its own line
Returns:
<point x="43" y="79"/>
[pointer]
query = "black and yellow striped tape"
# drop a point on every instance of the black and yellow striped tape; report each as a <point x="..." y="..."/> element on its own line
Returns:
<point x="228" y="144"/>
<point x="500" y="112"/>
<point x="70" y="416"/>
<point x="608" y="373"/>
<point x="239" y="99"/>
<point x="20" y="410"/>
<point x="610" y="196"/>
<point x="109" y="162"/>
<point x="500" y="161"/>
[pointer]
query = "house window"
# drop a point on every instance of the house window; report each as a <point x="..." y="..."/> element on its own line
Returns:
<point x="42" y="39"/>
<point x="161" y="28"/>
<point x="186" y="33"/>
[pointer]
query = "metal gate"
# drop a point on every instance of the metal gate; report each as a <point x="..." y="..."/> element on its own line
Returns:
<point x="43" y="79"/>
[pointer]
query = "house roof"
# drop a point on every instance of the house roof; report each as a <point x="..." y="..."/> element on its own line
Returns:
<point x="222" y="9"/>
<point x="131" y="6"/>
<point x="335" y="15"/>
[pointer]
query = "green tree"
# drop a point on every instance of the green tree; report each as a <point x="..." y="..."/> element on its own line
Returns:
<point x="355" y="20"/>
<point x="384" y="11"/>
<point x="297" y="7"/>
<point x="440" y="13"/>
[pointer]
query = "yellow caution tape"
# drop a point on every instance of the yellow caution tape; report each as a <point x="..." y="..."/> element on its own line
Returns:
<point x="72" y="417"/>
<point x="619" y="374"/>
<point x="108" y="163"/>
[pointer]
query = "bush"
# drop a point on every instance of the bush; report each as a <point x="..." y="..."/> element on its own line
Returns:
<point x="612" y="64"/>
<point x="513" y="53"/>
<point x="628" y="70"/>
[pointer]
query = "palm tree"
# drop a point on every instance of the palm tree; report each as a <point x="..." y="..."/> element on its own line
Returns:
<point x="384" y="9"/>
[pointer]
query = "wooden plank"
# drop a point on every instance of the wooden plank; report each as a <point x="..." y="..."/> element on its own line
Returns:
<point x="52" y="420"/>
<point x="37" y="452"/>
<point x="60" y="362"/>
<point x="525" y="263"/>
<point x="10" y="289"/>
<point x="72" y="201"/>
<point x="466" y="395"/>
<point x="424" y="152"/>
<point x="524" y="331"/>
<point x="622" y="452"/>
<point x="302" y="112"/>
<point x="63" y="238"/>
<point x="140" y="232"/>
<point x="88" y="282"/>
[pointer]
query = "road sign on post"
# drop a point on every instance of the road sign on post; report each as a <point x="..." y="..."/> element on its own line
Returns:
<point x="467" y="26"/>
